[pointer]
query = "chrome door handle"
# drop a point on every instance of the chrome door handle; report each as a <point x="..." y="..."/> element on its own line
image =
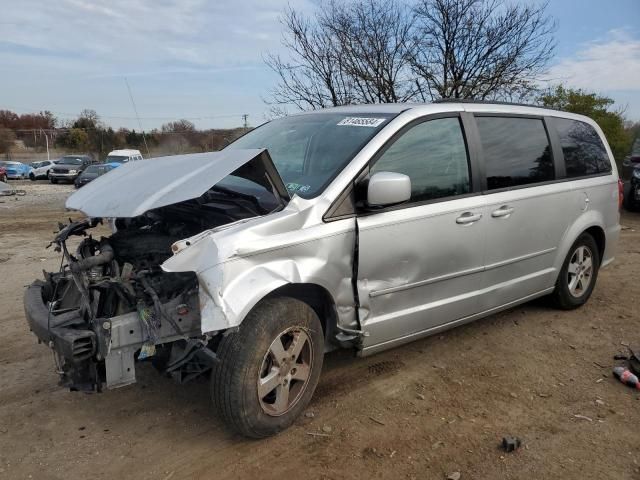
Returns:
<point x="503" y="211"/>
<point x="468" y="217"/>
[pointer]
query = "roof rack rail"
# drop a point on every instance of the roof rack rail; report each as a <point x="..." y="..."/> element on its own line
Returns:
<point x="489" y="102"/>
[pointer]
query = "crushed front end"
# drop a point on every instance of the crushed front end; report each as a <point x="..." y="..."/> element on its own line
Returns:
<point x="110" y="304"/>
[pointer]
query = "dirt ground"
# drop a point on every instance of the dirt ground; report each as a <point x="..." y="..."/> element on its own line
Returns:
<point x="424" y="411"/>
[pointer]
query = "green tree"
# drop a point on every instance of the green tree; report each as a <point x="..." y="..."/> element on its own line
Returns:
<point x="597" y="107"/>
<point x="74" y="139"/>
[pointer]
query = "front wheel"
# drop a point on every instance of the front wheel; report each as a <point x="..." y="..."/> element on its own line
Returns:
<point x="53" y="180"/>
<point x="578" y="274"/>
<point x="269" y="368"/>
<point x="32" y="177"/>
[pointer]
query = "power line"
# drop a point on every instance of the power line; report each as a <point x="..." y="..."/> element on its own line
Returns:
<point x="144" y="137"/>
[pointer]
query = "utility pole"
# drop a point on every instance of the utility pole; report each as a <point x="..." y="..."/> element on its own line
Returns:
<point x="46" y="139"/>
<point x="245" y="121"/>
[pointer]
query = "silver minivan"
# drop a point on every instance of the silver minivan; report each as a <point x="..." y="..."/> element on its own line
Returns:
<point x="361" y="227"/>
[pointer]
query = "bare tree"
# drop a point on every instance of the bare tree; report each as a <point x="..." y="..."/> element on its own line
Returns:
<point x="376" y="51"/>
<point x="480" y="48"/>
<point x="349" y="53"/>
<point x="314" y="77"/>
<point x="375" y="40"/>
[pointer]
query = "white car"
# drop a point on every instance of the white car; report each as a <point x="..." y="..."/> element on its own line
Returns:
<point x="123" y="156"/>
<point x="40" y="170"/>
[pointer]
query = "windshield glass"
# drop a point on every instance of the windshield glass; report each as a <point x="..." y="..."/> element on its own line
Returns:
<point x="92" y="169"/>
<point x="116" y="159"/>
<point x="310" y="150"/>
<point x="70" y="161"/>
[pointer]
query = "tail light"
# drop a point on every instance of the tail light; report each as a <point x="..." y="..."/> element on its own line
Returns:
<point x="620" y="193"/>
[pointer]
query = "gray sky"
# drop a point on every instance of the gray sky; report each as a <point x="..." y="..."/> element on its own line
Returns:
<point x="202" y="59"/>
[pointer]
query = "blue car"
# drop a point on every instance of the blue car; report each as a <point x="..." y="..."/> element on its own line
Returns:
<point x="16" y="170"/>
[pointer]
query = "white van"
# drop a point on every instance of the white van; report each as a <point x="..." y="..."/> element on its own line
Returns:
<point x="123" y="156"/>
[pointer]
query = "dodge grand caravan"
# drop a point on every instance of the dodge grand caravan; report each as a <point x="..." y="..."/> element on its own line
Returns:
<point x="359" y="227"/>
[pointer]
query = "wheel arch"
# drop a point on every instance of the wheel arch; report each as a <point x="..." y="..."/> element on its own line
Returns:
<point x="590" y="222"/>
<point x="314" y="295"/>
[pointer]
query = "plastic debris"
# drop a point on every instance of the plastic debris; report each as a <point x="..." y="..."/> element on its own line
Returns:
<point x="626" y="377"/>
<point x="510" y="444"/>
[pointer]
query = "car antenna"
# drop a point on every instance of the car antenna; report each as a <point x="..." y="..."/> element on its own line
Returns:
<point x="144" y="137"/>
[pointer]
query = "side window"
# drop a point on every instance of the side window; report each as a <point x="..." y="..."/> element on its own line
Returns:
<point x="516" y="151"/>
<point x="434" y="155"/>
<point x="583" y="150"/>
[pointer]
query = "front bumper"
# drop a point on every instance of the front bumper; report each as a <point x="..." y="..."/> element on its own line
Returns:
<point x="64" y="176"/>
<point x="67" y="334"/>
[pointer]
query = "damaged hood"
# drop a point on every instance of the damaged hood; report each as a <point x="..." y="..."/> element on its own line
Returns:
<point x="137" y="187"/>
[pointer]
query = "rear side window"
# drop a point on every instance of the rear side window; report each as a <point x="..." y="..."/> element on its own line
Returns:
<point x="516" y="151"/>
<point x="583" y="150"/>
<point x="434" y="155"/>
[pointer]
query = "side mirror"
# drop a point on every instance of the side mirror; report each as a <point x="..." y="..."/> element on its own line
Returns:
<point x="388" y="188"/>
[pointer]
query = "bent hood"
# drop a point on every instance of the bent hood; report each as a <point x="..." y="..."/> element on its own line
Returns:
<point x="137" y="187"/>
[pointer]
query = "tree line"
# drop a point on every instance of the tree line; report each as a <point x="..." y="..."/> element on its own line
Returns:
<point x="88" y="134"/>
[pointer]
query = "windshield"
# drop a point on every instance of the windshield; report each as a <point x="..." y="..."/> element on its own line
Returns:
<point x="116" y="159"/>
<point x="92" y="169"/>
<point x="70" y="161"/>
<point x="310" y="150"/>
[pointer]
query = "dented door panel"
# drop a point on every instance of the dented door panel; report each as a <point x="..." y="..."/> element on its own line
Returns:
<point x="419" y="268"/>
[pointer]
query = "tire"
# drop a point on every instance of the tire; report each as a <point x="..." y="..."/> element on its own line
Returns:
<point x="32" y="177"/>
<point x="53" y="180"/>
<point x="566" y="297"/>
<point x="247" y="356"/>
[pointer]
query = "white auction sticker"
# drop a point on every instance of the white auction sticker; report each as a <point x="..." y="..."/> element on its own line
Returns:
<point x="361" y="122"/>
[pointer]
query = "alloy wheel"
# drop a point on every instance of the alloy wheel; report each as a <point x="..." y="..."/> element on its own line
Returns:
<point x="285" y="371"/>
<point x="580" y="271"/>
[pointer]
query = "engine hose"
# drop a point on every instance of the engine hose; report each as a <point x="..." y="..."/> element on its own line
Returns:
<point x="105" y="256"/>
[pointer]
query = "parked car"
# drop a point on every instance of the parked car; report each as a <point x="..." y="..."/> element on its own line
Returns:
<point x="629" y="164"/>
<point x="3" y="174"/>
<point x="92" y="172"/>
<point x="632" y="196"/>
<point x="40" y="170"/>
<point x="16" y="170"/>
<point x="123" y="156"/>
<point x="361" y="227"/>
<point x="67" y="168"/>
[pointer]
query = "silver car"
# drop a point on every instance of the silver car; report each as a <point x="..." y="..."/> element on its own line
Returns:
<point x="361" y="227"/>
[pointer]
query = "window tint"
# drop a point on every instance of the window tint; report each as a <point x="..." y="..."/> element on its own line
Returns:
<point x="433" y="154"/>
<point x="584" y="153"/>
<point x="516" y="151"/>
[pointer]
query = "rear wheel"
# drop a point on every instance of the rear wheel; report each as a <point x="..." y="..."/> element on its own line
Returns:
<point x="269" y="369"/>
<point x="578" y="275"/>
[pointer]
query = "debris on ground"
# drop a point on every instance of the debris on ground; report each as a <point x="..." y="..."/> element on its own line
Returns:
<point x="454" y="476"/>
<point x="626" y="377"/>
<point x="510" y="444"/>
<point x="7" y="190"/>
<point x="583" y="417"/>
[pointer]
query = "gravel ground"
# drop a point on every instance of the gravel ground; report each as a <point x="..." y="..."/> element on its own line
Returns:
<point x="423" y="411"/>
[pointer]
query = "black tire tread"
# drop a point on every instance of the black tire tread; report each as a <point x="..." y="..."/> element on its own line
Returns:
<point x="561" y="297"/>
<point x="234" y="352"/>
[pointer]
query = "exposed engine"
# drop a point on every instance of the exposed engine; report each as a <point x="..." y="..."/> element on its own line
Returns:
<point x="115" y="284"/>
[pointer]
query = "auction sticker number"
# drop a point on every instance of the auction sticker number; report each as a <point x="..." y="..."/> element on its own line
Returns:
<point x="361" y="122"/>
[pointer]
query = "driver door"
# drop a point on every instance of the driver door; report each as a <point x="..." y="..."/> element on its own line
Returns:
<point x="421" y="263"/>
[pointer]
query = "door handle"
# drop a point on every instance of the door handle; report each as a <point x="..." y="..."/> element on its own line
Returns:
<point x="503" y="211"/>
<point x="468" y="217"/>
